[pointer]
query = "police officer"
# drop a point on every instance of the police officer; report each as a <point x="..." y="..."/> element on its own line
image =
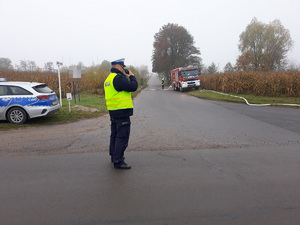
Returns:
<point x="118" y="87"/>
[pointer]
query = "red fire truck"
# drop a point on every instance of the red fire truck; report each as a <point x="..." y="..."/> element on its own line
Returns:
<point x="183" y="78"/>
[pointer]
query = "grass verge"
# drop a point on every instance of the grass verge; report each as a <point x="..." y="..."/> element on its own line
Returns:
<point x="253" y="99"/>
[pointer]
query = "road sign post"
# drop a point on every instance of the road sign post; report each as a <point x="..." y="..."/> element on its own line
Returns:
<point x="59" y="83"/>
<point x="69" y="98"/>
<point x="75" y="73"/>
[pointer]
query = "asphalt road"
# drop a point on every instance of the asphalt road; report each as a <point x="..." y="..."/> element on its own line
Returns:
<point x="193" y="162"/>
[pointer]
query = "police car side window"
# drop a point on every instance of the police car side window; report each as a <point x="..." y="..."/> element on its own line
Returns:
<point x="19" y="91"/>
<point x="3" y="90"/>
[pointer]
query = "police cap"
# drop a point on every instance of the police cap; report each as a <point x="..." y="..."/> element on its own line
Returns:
<point x="118" y="61"/>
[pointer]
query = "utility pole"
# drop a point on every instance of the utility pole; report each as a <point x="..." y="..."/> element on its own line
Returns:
<point x="59" y="84"/>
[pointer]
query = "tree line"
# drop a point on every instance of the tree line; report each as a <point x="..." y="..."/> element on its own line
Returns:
<point x="30" y="66"/>
<point x="25" y="66"/>
<point x="263" y="47"/>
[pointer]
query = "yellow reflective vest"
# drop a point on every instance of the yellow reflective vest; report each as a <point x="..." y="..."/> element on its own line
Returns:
<point x="116" y="100"/>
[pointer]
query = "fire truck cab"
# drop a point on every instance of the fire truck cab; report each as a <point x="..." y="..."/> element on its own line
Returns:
<point x="184" y="78"/>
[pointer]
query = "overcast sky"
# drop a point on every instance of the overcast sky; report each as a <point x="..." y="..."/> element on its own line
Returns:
<point x="91" y="31"/>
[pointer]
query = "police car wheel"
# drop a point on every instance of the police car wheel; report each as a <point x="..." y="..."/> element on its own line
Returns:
<point x="16" y="116"/>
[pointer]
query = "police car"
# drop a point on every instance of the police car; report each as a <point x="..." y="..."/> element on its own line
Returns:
<point x="20" y="101"/>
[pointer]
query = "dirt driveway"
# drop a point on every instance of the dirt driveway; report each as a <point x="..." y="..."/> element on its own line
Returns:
<point x="84" y="136"/>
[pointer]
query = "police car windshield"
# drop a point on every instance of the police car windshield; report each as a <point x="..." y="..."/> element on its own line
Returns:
<point x="42" y="89"/>
<point x="188" y="73"/>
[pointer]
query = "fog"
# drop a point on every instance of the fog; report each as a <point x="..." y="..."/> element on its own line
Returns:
<point x="90" y="31"/>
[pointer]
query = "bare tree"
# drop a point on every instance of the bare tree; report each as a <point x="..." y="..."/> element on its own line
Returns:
<point x="48" y="66"/>
<point x="228" y="68"/>
<point x="212" y="69"/>
<point x="143" y="70"/>
<point x="173" y="47"/>
<point x="5" y="64"/>
<point x="23" y="65"/>
<point x="264" y="46"/>
<point x="31" y="65"/>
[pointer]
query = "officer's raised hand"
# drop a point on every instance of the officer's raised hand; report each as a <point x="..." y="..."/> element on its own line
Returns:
<point x="129" y="74"/>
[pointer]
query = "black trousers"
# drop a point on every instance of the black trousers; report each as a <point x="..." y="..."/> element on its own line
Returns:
<point x="120" y="132"/>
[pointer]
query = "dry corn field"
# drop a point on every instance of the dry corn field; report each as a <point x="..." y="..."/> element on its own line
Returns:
<point x="259" y="83"/>
<point x="93" y="84"/>
<point x="262" y="84"/>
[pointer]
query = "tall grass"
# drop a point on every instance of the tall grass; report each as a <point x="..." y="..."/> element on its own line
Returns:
<point x="94" y="79"/>
<point x="257" y="83"/>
